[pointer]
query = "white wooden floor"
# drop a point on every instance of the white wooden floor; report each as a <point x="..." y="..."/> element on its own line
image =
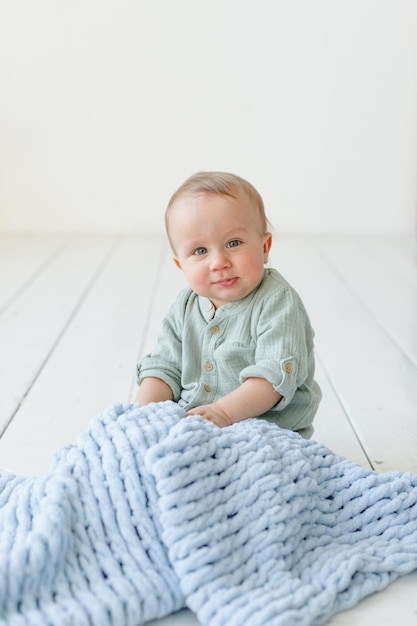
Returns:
<point x="76" y="313"/>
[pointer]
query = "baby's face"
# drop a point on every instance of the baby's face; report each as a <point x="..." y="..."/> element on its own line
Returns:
<point x="219" y="244"/>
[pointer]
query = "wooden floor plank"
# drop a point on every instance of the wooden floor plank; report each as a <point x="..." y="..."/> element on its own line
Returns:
<point x="399" y="252"/>
<point x="332" y="427"/>
<point x="374" y="381"/>
<point x="94" y="364"/>
<point x="22" y="258"/>
<point x="386" y="292"/>
<point x="32" y="325"/>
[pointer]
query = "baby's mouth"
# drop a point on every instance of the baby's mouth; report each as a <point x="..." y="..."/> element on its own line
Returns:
<point x="226" y="282"/>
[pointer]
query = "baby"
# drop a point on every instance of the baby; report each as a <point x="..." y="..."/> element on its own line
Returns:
<point x="237" y="343"/>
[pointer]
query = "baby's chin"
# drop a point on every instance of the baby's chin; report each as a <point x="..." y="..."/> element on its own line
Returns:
<point x="217" y="301"/>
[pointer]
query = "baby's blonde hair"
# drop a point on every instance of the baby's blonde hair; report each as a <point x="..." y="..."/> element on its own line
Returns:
<point x="218" y="183"/>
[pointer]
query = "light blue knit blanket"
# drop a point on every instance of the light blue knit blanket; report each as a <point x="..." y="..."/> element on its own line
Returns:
<point x="150" y="512"/>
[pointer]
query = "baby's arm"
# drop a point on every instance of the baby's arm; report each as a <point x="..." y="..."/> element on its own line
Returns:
<point x="153" y="389"/>
<point x="251" y="399"/>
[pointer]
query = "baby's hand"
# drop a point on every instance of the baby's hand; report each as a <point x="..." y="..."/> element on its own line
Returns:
<point x="212" y="413"/>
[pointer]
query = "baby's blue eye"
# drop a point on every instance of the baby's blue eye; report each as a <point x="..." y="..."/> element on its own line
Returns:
<point x="234" y="243"/>
<point x="200" y="251"/>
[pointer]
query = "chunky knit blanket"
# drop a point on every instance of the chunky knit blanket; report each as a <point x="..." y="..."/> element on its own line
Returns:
<point x="150" y="512"/>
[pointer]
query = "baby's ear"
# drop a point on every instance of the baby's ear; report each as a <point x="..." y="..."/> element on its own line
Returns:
<point x="267" y="246"/>
<point x="177" y="262"/>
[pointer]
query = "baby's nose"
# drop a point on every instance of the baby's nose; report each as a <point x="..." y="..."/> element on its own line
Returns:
<point x="219" y="259"/>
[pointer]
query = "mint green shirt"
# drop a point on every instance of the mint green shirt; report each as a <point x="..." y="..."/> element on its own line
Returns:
<point x="203" y="353"/>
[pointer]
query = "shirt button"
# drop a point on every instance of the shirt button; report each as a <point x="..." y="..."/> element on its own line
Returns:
<point x="207" y="388"/>
<point x="214" y="330"/>
<point x="288" y="368"/>
<point x="209" y="307"/>
<point x="209" y="366"/>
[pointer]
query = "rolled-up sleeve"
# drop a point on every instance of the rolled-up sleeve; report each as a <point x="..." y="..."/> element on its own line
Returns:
<point x="284" y="341"/>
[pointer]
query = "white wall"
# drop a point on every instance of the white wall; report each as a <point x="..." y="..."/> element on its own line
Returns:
<point x="106" y="106"/>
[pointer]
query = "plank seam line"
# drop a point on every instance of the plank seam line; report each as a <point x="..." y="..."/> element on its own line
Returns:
<point x="346" y="284"/>
<point x="344" y="409"/>
<point x="42" y="267"/>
